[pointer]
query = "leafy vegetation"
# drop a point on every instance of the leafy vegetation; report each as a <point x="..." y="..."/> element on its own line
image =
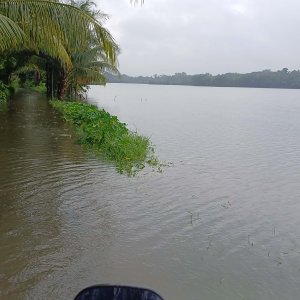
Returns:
<point x="4" y="93"/>
<point x="61" y="46"/>
<point x="96" y="128"/>
<point x="58" y="33"/>
<point x="264" y="79"/>
<point x="53" y="27"/>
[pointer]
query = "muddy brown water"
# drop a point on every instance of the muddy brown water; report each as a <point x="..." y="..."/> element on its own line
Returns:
<point x="222" y="223"/>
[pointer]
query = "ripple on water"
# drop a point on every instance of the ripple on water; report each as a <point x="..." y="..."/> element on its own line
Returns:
<point x="222" y="221"/>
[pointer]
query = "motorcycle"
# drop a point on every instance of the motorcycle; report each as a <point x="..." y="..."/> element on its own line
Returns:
<point x="117" y="292"/>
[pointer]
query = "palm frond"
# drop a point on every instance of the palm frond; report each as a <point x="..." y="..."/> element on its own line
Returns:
<point x="89" y="7"/>
<point x="28" y="68"/>
<point x="11" y="35"/>
<point x="87" y="76"/>
<point x="51" y="25"/>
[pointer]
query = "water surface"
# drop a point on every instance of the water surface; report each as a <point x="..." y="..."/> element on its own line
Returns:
<point x="222" y="223"/>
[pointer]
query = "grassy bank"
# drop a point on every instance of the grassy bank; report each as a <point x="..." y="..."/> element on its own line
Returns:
<point x="96" y="128"/>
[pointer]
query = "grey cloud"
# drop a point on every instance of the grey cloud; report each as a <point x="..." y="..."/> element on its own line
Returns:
<point x="216" y="36"/>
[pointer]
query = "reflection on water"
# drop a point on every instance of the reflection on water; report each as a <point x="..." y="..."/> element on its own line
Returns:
<point x="223" y="223"/>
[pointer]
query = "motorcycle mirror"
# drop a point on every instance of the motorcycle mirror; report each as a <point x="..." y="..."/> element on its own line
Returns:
<point x="116" y="292"/>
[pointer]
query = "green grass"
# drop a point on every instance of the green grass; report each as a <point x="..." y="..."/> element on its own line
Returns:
<point x="103" y="132"/>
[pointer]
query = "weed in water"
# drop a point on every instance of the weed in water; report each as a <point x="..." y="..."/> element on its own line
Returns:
<point x="103" y="132"/>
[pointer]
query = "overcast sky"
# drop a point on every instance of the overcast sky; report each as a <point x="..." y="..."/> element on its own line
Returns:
<point x="199" y="36"/>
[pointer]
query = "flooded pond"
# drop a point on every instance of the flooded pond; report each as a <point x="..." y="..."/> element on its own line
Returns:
<point x="222" y="223"/>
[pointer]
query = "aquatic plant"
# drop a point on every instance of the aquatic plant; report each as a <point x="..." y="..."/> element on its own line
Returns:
<point x="103" y="132"/>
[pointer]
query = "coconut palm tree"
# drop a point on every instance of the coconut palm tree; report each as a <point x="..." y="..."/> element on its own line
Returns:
<point x="51" y="27"/>
<point x="88" y="64"/>
<point x="11" y="35"/>
<point x="88" y="68"/>
<point x="54" y="30"/>
<point x="88" y="6"/>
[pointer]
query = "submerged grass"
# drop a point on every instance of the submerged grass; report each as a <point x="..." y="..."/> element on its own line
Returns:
<point x="103" y="132"/>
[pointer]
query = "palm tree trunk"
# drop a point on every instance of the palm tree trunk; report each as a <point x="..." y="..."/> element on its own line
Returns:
<point x="62" y="85"/>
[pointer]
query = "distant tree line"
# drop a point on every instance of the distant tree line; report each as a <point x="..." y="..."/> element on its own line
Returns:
<point x="264" y="79"/>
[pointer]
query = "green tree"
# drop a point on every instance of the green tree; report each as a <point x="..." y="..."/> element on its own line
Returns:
<point x="88" y="68"/>
<point x="51" y="27"/>
<point x="54" y="30"/>
<point x="89" y="63"/>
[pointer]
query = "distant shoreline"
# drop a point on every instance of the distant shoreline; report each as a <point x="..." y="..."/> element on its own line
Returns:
<point x="208" y="86"/>
<point x="283" y="79"/>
